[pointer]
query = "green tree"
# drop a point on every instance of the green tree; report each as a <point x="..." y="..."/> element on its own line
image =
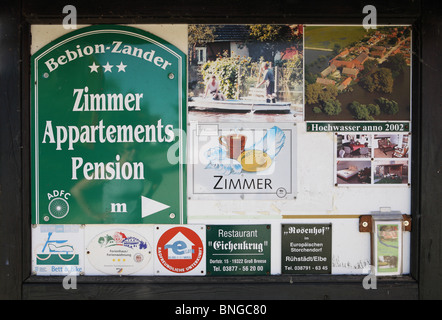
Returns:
<point x="227" y="71"/>
<point x="369" y="67"/>
<point x="381" y="80"/>
<point x="309" y="77"/>
<point x="397" y="64"/>
<point x="330" y="92"/>
<point x="374" y="109"/>
<point x="385" y="80"/>
<point x="290" y="73"/>
<point x="317" y="110"/>
<point x="275" y="38"/>
<point x="316" y="92"/>
<point x="312" y="92"/>
<point x="388" y="106"/>
<point x="199" y="34"/>
<point x="332" y="107"/>
<point x="360" y="111"/>
<point x="368" y="83"/>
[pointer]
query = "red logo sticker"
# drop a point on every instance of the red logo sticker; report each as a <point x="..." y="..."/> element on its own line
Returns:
<point x="180" y="249"/>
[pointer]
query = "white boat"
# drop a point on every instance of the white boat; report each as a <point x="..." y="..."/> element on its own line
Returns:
<point x="238" y="105"/>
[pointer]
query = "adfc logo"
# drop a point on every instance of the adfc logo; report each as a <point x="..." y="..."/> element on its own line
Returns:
<point x="180" y="250"/>
<point x="58" y="204"/>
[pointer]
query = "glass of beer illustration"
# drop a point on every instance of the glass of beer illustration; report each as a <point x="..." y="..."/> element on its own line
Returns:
<point x="234" y="143"/>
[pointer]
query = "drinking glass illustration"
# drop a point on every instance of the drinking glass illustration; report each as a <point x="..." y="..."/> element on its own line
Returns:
<point x="234" y="143"/>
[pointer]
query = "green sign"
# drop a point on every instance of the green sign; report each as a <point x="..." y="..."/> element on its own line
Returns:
<point x="306" y="249"/>
<point x="108" y="129"/>
<point x="238" y="249"/>
<point x="358" y="126"/>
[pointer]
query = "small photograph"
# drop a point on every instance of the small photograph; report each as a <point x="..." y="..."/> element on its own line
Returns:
<point x="245" y="73"/>
<point x="388" y="248"/>
<point x="356" y="74"/>
<point x="391" y="172"/>
<point x="391" y="145"/>
<point x="353" y="146"/>
<point x="353" y="172"/>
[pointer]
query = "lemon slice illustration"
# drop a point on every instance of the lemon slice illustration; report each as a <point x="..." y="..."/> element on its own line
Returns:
<point x="254" y="160"/>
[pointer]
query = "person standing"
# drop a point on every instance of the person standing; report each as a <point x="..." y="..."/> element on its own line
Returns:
<point x="269" y="80"/>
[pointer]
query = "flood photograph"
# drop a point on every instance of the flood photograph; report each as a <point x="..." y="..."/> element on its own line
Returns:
<point x="356" y="74"/>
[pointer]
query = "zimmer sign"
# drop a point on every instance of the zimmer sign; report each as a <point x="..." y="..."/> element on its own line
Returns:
<point x="242" y="161"/>
<point x="106" y="129"/>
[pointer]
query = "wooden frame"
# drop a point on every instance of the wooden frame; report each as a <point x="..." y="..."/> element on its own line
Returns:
<point x="425" y="279"/>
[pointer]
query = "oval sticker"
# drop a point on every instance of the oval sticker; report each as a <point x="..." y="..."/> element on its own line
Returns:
<point x="119" y="251"/>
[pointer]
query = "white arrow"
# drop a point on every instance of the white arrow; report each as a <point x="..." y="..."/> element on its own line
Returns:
<point x="149" y="206"/>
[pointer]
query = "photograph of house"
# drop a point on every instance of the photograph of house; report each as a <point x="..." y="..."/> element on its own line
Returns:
<point x="363" y="74"/>
<point x="252" y="72"/>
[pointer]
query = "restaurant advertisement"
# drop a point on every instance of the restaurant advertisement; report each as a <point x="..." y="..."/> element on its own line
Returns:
<point x="238" y="250"/>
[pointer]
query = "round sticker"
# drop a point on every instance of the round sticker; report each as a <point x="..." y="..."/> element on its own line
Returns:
<point x="119" y="252"/>
<point x="180" y="249"/>
<point x="58" y="208"/>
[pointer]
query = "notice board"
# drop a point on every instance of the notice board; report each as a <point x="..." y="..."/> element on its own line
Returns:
<point x="311" y="130"/>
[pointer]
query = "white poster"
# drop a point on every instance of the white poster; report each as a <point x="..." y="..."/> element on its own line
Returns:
<point x="242" y="161"/>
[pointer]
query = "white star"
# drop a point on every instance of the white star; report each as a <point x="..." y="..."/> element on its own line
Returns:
<point x="107" y="67"/>
<point x="121" y="67"/>
<point x="94" y="67"/>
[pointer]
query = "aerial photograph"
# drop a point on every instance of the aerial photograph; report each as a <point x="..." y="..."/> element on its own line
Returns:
<point x="357" y="74"/>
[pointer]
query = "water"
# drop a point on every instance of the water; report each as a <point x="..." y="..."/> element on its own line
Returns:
<point x="401" y="94"/>
<point x="312" y="55"/>
<point x="214" y="116"/>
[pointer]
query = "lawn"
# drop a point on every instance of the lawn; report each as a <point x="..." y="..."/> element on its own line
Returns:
<point x="325" y="37"/>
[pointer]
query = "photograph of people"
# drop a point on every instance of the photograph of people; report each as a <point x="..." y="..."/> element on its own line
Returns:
<point x="269" y="80"/>
<point x="245" y="73"/>
<point x="212" y="88"/>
